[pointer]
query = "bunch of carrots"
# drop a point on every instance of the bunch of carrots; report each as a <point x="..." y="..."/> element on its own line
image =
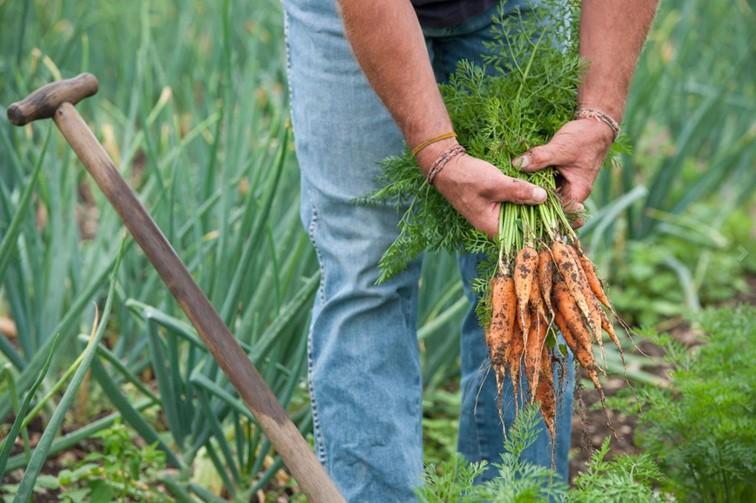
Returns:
<point x="546" y="286"/>
<point x="535" y="282"/>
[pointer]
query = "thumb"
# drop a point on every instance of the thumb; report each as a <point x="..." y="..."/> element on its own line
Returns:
<point x="537" y="158"/>
<point x="513" y="190"/>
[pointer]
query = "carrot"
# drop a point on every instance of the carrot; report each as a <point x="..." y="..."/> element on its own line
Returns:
<point x="568" y="337"/>
<point x="545" y="393"/>
<point x="568" y="320"/>
<point x="593" y="280"/>
<point x="568" y="268"/>
<point x="513" y="359"/>
<point x="545" y="276"/>
<point x="501" y="328"/>
<point x="526" y="265"/>
<point x="596" y="312"/>
<point x="537" y="310"/>
<point x="609" y="329"/>
<point x="593" y="306"/>
<point x="533" y="350"/>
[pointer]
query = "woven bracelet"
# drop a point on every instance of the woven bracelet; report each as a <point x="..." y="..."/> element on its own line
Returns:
<point x="442" y="161"/>
<point x="592" y="113"/>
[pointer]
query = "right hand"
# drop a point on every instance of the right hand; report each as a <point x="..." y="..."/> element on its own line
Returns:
<point x="476" y="188"/>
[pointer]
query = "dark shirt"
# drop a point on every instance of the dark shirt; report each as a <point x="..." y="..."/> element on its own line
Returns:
<point x="448" y="13"/>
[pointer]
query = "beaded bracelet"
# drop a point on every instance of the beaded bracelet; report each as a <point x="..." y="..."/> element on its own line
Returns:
<point x="592" y="113"/>
<point x="443" y="160"/>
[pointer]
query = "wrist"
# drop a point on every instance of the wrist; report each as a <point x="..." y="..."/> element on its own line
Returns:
<point x="426" y="157"/>
<point x="603" y="132"/>
<point x="600" y="117"/>
<point x="609" y="107"/>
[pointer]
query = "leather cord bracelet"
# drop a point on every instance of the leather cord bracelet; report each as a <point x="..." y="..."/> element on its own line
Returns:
<point x="592" y="113"/>
<point x="420" y="146"/>
<point x="443" y="160"/>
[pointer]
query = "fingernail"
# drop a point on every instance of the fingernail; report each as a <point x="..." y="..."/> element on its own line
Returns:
<point x="521" y="162"/>
<point x="539" y="194"/>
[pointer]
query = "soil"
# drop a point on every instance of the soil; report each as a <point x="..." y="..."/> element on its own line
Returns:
<point x="591" y="424"/>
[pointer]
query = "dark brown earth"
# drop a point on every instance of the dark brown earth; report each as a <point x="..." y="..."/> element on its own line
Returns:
<point x="591" y="424"/>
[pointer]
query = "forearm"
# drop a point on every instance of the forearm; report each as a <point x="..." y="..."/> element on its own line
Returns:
<point x="612" y="33"/>
<point x="388" y="43"/>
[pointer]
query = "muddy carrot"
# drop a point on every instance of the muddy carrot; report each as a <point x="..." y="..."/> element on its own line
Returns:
<point x="526" y="266"/>
<point x="609" y="329"/>
<point x="567" y="317"/>
<point x="593" y="280"/>
<point x="545" y="276"/>
<point x="545" y="395"/>
<point x="533" y="350"/>
<point x="568" y="270"/>
<point x="513" y="358"/>
<point x="501" y="328"/>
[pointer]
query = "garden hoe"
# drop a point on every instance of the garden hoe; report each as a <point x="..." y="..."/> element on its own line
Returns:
<point x="57" y="100"/>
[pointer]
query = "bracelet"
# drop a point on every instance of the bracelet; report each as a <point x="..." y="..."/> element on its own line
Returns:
<point x="443" y="160"/>
<point x="592" y="113"/>
<point x="416" y="150"/>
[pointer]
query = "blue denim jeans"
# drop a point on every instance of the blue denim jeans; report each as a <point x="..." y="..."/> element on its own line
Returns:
<point x="363" y="369"/>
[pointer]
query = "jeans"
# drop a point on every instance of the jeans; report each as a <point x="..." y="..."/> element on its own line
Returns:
<point x="363" y="364"/>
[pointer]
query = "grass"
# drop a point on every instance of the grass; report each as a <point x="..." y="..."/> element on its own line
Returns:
<point x="192" y="106"/>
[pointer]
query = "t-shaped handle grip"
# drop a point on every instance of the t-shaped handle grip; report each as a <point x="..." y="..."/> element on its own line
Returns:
<point x="42" y="103"/>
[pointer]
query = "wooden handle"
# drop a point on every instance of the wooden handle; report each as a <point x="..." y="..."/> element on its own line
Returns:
<point x="252" y="388"/>
<point x="42" y="103"/>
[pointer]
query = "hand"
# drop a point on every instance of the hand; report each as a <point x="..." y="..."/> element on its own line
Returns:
<point x="577" y="151"/>
<point x="476" y="189"/>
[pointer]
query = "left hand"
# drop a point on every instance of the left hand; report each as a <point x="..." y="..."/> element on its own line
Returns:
<point x="577" y="151"/>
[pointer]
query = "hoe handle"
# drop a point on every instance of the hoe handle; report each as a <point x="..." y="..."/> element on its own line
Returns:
<point x="56" y="100"/>
<point x="42" y="103"/>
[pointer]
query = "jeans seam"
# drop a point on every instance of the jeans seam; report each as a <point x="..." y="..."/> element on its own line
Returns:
<point x="288" y="52"/>
<point x="317" y="431"/>
<point x="316" y="428"/>
<point x="311" y="232"/>
<point x="479" y="422"/>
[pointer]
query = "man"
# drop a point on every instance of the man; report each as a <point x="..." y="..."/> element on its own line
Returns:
<point x="363" y="82"/>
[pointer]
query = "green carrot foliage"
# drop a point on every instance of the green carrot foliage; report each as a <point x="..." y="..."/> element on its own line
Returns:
<point x="521" y="95"/>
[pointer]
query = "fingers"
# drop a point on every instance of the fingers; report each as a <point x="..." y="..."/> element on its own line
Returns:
<point x="576" y="192"/>
<point x="572" y="206"/>
<point x="513" y="190"/>
<point x="540" y="157"/>
<point x="575" y="212"/>
<point x="489" y="221"/>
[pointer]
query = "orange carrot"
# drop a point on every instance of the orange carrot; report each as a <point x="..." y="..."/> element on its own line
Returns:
<point x="526" y="265"/>
<point x="565" y="331"/>
<point x="593" y="280"/>
<point x="567" y="317"/>
<point x="533" y="350"/>
<point x="545" y="393"/>
<point x="545" y="276"/>
<point x="513" y="359"/>
<point x="568" y="269"/>
<point x="501" y="328"/>
<point x="593" y="306"/>
<point x="536" y="302"/>
<point x="609" y="329"/>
